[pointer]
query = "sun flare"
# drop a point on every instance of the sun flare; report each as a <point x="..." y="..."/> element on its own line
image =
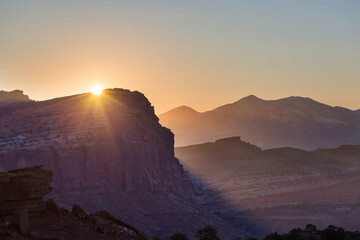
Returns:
<point x="97" y="89"/>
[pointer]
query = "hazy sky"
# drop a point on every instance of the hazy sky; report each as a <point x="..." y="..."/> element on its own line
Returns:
<point x="197" y="53"/>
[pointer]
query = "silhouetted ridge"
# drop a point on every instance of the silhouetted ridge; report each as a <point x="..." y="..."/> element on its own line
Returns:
<point x="298" y="122"/>
<point x="250" y="98"/>
<point x="184" y="110"/>
<point x="229" y="140"/>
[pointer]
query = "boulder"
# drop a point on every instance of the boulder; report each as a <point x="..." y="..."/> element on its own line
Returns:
<point x="79" y="212"/>
<point x="21" y="219"/>
<point x="52" y="205"/>
<point x="24" y="187"/>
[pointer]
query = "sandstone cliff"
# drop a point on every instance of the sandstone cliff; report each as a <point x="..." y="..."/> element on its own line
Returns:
<point x="107" y="152"/>
<point x="13" y="97"/>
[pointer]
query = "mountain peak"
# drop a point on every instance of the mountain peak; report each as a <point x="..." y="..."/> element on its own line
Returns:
<point x="182" y="110"/>
<point x="250" y="98"/>
<point x="297" y="99"/>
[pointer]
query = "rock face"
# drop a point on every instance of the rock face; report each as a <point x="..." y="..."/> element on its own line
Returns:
<point x="22" y="191"/>
<point x="289" y="122"/>
<point x="13" y="97"/>
<point x="24" y="187"/>
<point x="277" y="189"/>
<point x="108" y="152"/>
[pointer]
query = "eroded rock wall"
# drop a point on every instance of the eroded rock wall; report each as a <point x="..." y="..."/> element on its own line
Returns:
<point x="107" y="152"/>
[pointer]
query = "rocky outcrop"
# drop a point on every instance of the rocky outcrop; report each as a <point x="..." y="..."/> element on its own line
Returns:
<point x="15" y="96"/>
<point x="21" y="196"/>
<point x="24" y="187"/>
<point x="107" y="152"/>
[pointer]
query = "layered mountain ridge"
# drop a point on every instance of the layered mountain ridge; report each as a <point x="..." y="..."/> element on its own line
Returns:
<point x="277" y="189"/>
<point x="107" y="152"/>
<point x="289" y="122"/>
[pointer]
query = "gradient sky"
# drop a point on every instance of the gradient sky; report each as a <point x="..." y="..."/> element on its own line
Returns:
<point x="197" y="53"/>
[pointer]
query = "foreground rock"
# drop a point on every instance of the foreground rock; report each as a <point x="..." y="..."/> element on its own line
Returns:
<point x="24" y="187"/>
<point x="40" y="221"/>
<point x="67" y="226"/>
<point x="107" y="152"/>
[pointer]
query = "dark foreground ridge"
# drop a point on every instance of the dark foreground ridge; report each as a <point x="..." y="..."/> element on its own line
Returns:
<point x="25" y="216"/>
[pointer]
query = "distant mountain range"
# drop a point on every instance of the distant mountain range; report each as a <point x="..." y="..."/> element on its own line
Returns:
<point x="277" y="189"/>
<point x="289" y="122"/>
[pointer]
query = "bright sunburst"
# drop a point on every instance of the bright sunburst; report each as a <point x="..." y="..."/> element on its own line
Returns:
<point x="97" y="89"/>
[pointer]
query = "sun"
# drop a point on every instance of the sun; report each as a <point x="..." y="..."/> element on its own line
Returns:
<point x="97" y="89"/>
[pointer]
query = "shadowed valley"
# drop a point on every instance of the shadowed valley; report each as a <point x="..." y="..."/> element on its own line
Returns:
<point x="279" y="189"/>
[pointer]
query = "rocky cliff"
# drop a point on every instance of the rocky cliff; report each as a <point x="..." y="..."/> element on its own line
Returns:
<point x="13" y="97"/>
<point x="107" y="152"/>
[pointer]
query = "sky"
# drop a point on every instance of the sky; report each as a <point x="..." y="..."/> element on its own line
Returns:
<point x="197" y="53"/>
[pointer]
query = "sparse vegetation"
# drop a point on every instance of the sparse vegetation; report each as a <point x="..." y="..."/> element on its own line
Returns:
<point x="312" y="233"/>
<point x="178" y="236"/>
<point x="207" y="233"/>
<point x="309" y="233"/>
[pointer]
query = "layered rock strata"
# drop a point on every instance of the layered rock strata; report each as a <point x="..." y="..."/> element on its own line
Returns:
<point x="108" y="152"/>
<point x="24" y="187"/>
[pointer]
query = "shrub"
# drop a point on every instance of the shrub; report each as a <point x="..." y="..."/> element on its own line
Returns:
<point x="178" y="236"/>
<point x="207" y="233"/>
